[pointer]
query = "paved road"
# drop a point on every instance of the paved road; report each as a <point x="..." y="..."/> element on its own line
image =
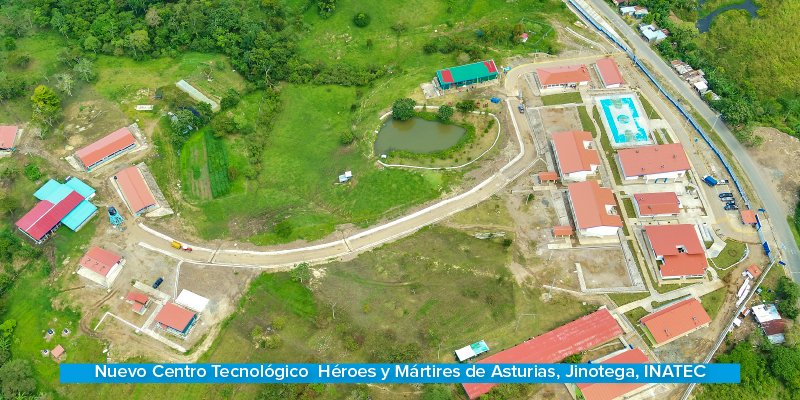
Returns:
<point x="766" y="193"/>
<point x="368" y="238"/>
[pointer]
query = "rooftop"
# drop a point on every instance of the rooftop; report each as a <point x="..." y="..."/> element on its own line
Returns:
<point x="658" y="203"/>
<point x="765" y="313"/>
<point x="573" y="152"/>
<point x="467" y="72"/>
<point x="108" y="145"/>
<point x="676" y="320"/>
<point x="546" y="176"/>
<point x="175" y="317"/>
<point x="582" y="334"/>
<point x="99" y="260"/>
<point x="58" y="351"/>
<point x="563" y="75"/>
<point x="754" y="271"/>
<point x="44" y="216"/>
<point x="611" y="391"/>
<point x="591" y="204"/>
<point x="135" y="190"/>
<point x="656" y="159"/>
<point x="680" y="247"/>
<point x="748" y="216"/>
<point x="609" y="72"/>
<point x="774" y="327"/>
<point x="8" y="134"/>
<point x="137" y="297"/>
<point x="562" y="230"/>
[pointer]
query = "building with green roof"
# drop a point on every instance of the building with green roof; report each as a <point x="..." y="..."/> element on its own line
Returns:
<point x="468" y="74"/>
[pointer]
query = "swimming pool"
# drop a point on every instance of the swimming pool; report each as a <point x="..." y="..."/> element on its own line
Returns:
<point x="623" y="119"/>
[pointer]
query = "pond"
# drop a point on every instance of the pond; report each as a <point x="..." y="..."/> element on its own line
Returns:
<point x="704" y="24"/>
<point x="417" y="135"/>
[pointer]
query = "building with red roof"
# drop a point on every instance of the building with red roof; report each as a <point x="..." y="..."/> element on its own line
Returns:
<point x="580" y="335"/>
<point x="675" y="321"/>
<point x="468" y="74"/>
<point x="613" y="391"/>
<point x="548" y="176"/>
<point x="594" y="209"/>
<point x="678" y="250"/>
<point x="660" y="163"/>
<point x="8" y="136"/>
<point x="657" y="204"/>
<point x="105" y="149"/>
<point x="100" y="266"/>
<point x="576" y="156"/>
<point x="748" y="217"/>
<point x="134" y="189"/>
<point x="45" y="217"/>
<point x="562" y="231"/>
<point x="176" y="319"/>
<point x="609" y="73"/>
<point x="58" y="352"/>
<point x="138" y="301"/>
<point x="563" y="77"/>
<point x="754" y="271"/>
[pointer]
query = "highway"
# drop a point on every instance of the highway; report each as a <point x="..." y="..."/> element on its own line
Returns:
<point x="767" y="194"/>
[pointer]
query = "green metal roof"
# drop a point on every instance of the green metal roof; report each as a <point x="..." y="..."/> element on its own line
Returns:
<point x="467" y="72"/>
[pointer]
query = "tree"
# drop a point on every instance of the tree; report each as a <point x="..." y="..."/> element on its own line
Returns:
<point x="46" y="105"/>
<point x="325" y="8"/>
<point x="92" y="44"/>
<point x="788" y="293"/>
<point x="16" y="378"/>
<point x="85" y="69"/>
<point x="403" y="109"/>
<point x="361" y="19"/>
<point x="346" y="138"/>
<point x="445" y="113"/>
<point x="465" y="106"/>
<point x="183" y="122"/>
<point x="138" y="41"/>
<point x="65" y="82"/>
<point x="784" y="362"/>
<point x="230" y="99"/>
<point x="301" y="273"/>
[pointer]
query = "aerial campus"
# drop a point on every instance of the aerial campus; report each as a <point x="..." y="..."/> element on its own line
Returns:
<point x="335" y="182"/>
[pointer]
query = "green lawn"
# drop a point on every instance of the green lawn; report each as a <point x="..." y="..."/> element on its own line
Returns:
<point x="731" y="254"/>
<point x="621" y="299"/>
<point x="586" y="121"/>
<point x="648" y="108"/>
<point x="629" y="209"/>
<point x="713" y="301"/>
<point x="605" y="142"/>
<point x="562" y="98"/>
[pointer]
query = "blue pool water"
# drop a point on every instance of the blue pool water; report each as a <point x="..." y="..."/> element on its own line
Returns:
<point x="623" y="120"/>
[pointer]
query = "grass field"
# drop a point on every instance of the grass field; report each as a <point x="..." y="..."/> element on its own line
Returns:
<point x="204" y="167"/>
<point x="629" y="208"/>
<point x="731" y="254"/>
<point x="624" y="298"/>
<point x="562" y="98"/>
<point x="713" y="301"/>
<point x="648" y="108"/>
<point x="586" y="121"/>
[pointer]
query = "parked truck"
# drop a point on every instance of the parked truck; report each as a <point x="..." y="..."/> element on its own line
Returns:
<point x="710" y="181"/>
<point x="177" y="245"/>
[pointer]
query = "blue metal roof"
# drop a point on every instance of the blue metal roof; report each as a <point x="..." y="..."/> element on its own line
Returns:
<point x="79" y="186"/>
<point x="79" y="215"/>
<point x="52" y="191"/>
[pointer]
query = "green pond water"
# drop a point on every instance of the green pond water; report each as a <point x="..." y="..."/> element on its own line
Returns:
<point x="417" y="136"/>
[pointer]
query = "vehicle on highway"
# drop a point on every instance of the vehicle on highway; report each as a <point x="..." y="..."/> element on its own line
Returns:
<point x="521" y="109"/>
<point x="724" y="195"/>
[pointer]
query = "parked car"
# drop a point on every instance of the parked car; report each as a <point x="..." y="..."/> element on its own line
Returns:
<point x="724" y="195"/>
<point x="731" y="206"/>
<point x="727" y="199"/>
<point x="158" y="283"/>
<point x="521" y="109"/>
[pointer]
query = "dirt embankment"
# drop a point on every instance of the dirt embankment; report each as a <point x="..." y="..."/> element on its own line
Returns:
<point x="780" y="157"/>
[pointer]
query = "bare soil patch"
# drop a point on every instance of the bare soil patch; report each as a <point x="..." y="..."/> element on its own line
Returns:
<point x="780" y="157"/>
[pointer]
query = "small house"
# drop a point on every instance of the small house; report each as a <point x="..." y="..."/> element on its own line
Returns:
<point x="58" y="353"/>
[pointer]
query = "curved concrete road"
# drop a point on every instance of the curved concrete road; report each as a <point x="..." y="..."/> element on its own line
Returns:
<point x="366" y="239"/>
<point x="767" y="194"/>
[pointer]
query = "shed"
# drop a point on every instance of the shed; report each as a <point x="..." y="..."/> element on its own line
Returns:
<point x="748" y="217"/>
<point x="100" y="266"/>
<point x="473" y="350"/>
<point x="138" y="300"/>
<point x="134" y="189"/>
<point x="8" y="136"/>
<point x="58" y="352"/>
<point x="548" y="176"/>
<point x="561" y="231"/>
<point x="175" y="319"/>
<point x="468" y="74"/>
<point x="192" y="301"/>
<point x="105" y="149"/>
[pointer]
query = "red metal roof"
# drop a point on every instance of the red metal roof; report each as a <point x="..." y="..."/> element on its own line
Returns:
<point x="174" y="316"/>
<point x="590" y="203"/>
<point x="137" y="297"/>
<point x="680" y="248"/>
<point x="134" y="189"/>
<point x="490" y="66"/>
<point x="572" y="151"/>
<point x="774" y="327"/>
<point x="582" y="334"/>
<point x="110" y="144"/>
<point x="649" y="160"/>
<point x="676" y="320"/>
<point x="609" y="72"/>
<point x="611" y="391"/>
<point x="748" y="216"/>
<point x="571" y="74"/>
<point x="447" y="76"/>
<point x="754" y="270"/>
<point x="99" y="260"/>
<point x="58" y="351"/>
<point x="8" y="133"/>
<point x="44" y="216"/>
<point x="659" y="203"/>
<point x="562" y="230"/>
<point x="548" y="176"/>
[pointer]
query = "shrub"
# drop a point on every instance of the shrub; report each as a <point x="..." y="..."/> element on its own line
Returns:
<point x="32" y="172"/>
<point x="403" y="109"/>
<point x="445" y="113"/>
<point x="230" y="99"/>
<point x="347" y="138"/>
<point x="465" y="106"/>
<point x="361" y="20"/>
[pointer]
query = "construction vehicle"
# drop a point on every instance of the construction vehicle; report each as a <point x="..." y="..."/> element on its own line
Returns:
<point x="178" y="245"/>
<point x="115" y="218"/>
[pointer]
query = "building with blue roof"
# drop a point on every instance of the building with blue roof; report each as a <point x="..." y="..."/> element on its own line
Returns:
<point x="82" y="188"/>
<point x="54" y="191"/>
<point x="79" y="215"/>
